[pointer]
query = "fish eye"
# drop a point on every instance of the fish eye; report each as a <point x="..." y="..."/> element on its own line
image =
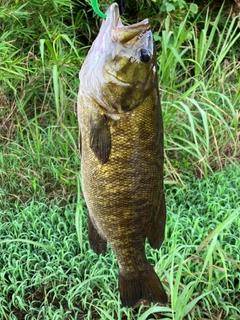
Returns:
<point x="144" y="55"/>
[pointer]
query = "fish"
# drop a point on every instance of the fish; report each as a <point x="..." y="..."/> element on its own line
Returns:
<point x="121" y="152"/>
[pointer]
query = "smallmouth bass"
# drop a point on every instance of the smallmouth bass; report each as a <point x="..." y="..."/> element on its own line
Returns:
<point x="121" y="146"/>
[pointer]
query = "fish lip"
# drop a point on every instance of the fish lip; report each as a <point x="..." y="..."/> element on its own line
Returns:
<point x="114" y="19"/>
<point x="113" y="15"/>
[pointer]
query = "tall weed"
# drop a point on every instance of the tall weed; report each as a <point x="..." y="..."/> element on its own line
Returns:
<point x="198" y="78"/>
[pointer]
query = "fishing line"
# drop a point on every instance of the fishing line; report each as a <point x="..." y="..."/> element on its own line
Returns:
<point x="97" y="10"/>
<point x="121" y="3"/>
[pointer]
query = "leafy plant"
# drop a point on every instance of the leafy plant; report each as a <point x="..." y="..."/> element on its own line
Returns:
<point x="200" y="109"/>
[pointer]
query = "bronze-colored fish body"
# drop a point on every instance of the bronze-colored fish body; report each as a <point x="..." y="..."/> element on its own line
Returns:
<point x="122" y="152"/>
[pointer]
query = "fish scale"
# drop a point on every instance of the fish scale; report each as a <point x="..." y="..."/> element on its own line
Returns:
<point x="122" y="154"/>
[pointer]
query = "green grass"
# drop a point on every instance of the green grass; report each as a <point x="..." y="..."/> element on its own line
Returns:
<point x="45" y="275"/>
<point x="47" y="270"/>
<point x="199" y="81"/>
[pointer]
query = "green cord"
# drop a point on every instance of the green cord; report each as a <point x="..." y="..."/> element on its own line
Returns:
<point x="97" y="10"/>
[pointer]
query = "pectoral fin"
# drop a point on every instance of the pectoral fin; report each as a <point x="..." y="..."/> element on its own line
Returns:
<point x="100" y="138"/>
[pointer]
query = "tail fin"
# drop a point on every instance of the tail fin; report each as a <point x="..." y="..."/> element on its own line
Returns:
<point x="143" y="286"/>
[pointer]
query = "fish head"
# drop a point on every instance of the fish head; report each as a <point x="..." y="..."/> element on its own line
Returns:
<point x="120" y="69"/>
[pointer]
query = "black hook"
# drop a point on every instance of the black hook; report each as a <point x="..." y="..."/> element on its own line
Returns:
<point x="122" y="6"/>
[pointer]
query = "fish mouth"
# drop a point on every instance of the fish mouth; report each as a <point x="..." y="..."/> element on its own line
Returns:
<point x="113" y="15"/>
<point x="121" y="33"/>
